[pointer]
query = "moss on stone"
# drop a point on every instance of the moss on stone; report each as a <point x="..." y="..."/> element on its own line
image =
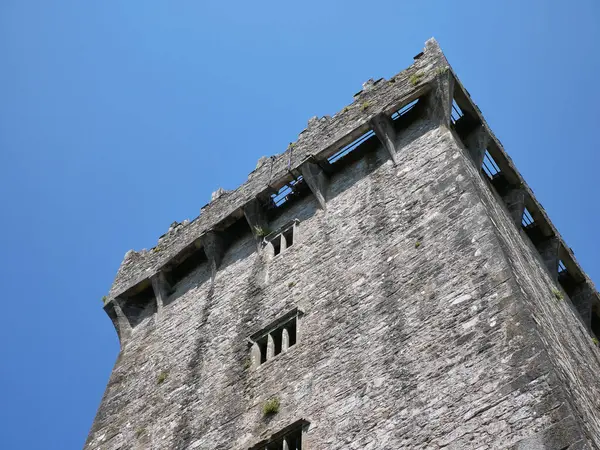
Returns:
<point x="271" y="406"/>
<point x="415" y="78"/>
<point x="162" y="377"/>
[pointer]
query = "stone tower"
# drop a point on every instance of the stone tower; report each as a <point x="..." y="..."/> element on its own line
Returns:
<point x="389" y="281"/>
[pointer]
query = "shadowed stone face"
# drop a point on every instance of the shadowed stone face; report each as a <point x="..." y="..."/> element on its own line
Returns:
<point x="428" y="317"/>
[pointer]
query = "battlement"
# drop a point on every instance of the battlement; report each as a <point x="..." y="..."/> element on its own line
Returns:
<point x="377" y="115"/>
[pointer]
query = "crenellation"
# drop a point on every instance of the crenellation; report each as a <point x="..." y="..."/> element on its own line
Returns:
<point x="217" y="194"/>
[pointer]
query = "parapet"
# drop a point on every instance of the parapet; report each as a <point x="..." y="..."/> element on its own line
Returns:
<point x="429" y="82"/>
<point x="322" y="137"/>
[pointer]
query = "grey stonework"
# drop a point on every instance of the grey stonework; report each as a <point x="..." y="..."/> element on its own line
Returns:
<point x="429" y="318"/>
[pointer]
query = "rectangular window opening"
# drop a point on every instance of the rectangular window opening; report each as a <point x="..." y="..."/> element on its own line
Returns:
<point x="405" y="109"/>
<point x="352" y="146"/>
<point x="489" y="166"/>
<point x="282" y="240"/>
<point x="288" y="326"/>
<point x="527" y="219"/>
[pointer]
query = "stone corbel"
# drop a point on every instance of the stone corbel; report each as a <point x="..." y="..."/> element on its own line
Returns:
<point x="477" y="143"/>
<point x="384" y="130"/>
<point x="548" y="250"/>
<point x="515" y="203"/>
<point x="256" y="218"/>
<point x="439" y="100"/>
<point x="162" y="289"/>
<point x="582" y="298"/>
<point x="214" y="248"/>
<point x="119" y="320"/>
<point x="316" y="180"/>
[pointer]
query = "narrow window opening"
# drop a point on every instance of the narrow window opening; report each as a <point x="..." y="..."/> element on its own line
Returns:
<point x="277" y="341"/>
<point x="595" y="324"/>
<point x="561" y="267"/>
<point x="276" y="243"/>
<point x="489" y="166"/>
<point x="405" y="109"/>
<point x="288" y="235"/>
<point x="527" y="220"/>
<point x="457" y="113"/>
<point x="262" y="345"/>
<point x="291" y="329"/>
<point x="294" y="440"/>
<point x="351" y="147"/>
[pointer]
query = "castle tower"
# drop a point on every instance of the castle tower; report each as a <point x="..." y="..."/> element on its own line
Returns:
<point x="389" y="281"/>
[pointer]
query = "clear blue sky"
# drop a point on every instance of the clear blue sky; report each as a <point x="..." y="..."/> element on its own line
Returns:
<point x="119" y="117"/>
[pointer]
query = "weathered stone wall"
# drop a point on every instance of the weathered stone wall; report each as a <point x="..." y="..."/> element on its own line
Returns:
<point x="428" y="322"/>
<point x="561" y="351"/>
